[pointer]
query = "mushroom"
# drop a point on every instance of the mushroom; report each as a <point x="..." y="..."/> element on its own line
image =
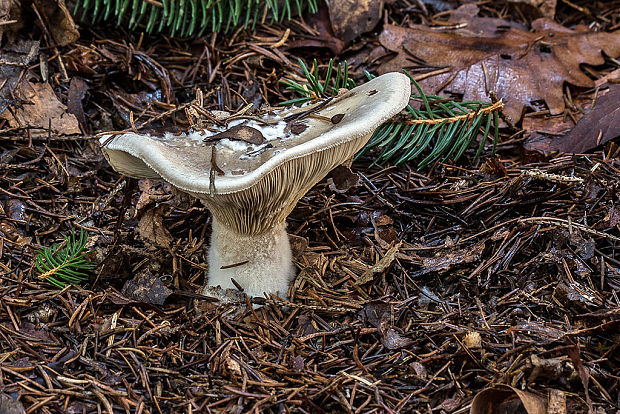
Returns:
<point x="251" y="186"/>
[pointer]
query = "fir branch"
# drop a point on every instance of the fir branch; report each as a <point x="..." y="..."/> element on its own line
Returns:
<point x="315" y="89"/>
<point x="65" y="262"/>
<point x="446" y="126"/>
<point x="184" y="18"/>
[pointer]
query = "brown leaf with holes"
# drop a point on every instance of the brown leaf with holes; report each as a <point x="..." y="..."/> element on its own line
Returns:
<point x="239" y="133"/>
<point x="522" y="67"/>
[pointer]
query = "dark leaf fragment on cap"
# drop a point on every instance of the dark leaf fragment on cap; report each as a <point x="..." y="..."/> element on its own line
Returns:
<point x="239" y="133"/>
<point x="337" y="118"/>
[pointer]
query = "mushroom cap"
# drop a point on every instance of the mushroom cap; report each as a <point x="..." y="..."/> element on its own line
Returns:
<point x="257" y="185"/>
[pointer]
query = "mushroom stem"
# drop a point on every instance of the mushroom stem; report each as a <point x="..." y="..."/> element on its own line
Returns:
<point x="260" y="263"/>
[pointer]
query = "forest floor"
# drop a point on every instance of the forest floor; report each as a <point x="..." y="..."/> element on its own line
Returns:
<point x="416" y="289"/>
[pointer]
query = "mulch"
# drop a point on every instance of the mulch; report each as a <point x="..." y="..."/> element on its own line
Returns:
<point x="415" y="290"/>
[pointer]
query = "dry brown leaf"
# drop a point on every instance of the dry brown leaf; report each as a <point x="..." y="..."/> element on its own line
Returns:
<point x="557" y="402"/>
<point x="13" y="59"/>
<point x="325" y="37"/>
<point x="10" y="405"/>
<point x="503" y="398"/>
<point x="546" y="8"/>
<point x="341" y="179"/>
<point x="351" y="18"/>
<point x="77" y="92"/>
<point x="239" y="133"/>
<point x="61" y="25"/>
<point x="381" y="265"/>
<point x="9" y="12"/>
<point x="378" y="314"/>
<point x="146" y="288"/>
<point x="521" y="67"/>
<point x="151" y="229"/>
<point x="599" y="126"/>
<point x="40" y="105"/>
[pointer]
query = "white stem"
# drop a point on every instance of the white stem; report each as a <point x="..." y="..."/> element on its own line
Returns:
<point x="268" y="263"/>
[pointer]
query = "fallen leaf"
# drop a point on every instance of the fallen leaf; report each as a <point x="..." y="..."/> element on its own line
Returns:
<point x="557" y="402"/>
<point x="551" y="369"/>
<point x="9" y="11"/>
<point x="584" y="373"/>
<point x="392" y="339"/>
<point x="239" y="133"/>
<point x="146" y="288"/>
<point x="446" y="261"/>
<point x="77" y="91"/>
<point x="14" y="58"/>
<point x="40" y="106"/>
<point x="325" y="37"/>
<point x="351" y="18"/>
<point x="152" y="192"/>
<point x="576" y="295"/>
<point x="151" y="229"/>
<point x="597" y="127"/>
<point x="378" y="314"/>
<point x="521" y="67"/>
<point x="381" y="265"/>
<point x="341" y="179"/>
<point x="61" y="25"/>
<point x="298" y="245"/>
<point x="505" y="399"/>
<point x="10" y="405"/>
<point x="546" y="8"/>
<point x="224" y="363"/>
<point x="449" y="404"/>
<point x="493" y="167"/>
<point x="420" y="370"/>
<point x="297" y="128"/>
<point x="472" y="340"/>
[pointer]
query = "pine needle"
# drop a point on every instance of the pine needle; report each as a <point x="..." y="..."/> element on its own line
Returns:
<point x="65" y="262"/>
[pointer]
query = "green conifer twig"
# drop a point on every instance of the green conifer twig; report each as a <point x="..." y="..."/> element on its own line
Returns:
<point x="183" y="18"/>
<point x="65" y="262"/>
<point x="448" y="126"/>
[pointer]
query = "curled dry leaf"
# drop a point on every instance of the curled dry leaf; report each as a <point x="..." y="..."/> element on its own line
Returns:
<point x="341" y="179"/>
<point x="521" y="67"/>
<point x="503" y="398"/>
<point x="325" y="37"/>
<point x="378" y="314"/>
